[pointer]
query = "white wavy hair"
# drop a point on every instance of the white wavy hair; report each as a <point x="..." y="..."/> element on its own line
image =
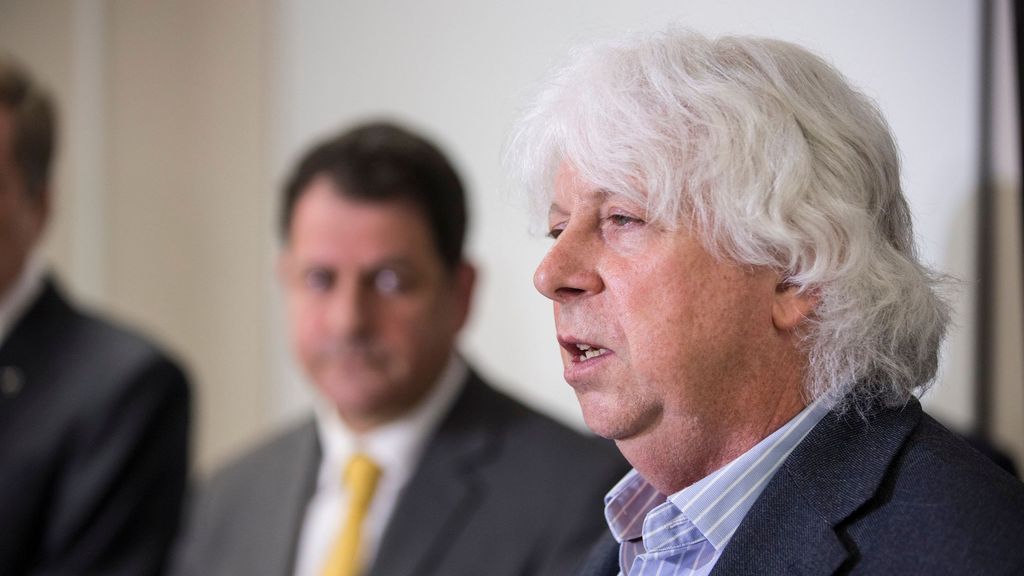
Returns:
<point x="776" y="161"/>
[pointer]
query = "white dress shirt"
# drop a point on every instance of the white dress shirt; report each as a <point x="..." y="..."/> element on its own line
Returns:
<point x="395" y="447"/>
<point x="26" y="288"/>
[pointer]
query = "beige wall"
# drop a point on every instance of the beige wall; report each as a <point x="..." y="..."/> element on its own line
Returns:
<point x="187" y="197"/>
<point x="183" y="224"/>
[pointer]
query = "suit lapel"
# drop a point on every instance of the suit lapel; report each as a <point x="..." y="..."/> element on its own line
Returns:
<point x="444" y="490"/>
<point x="276" y="528"/>
<point x="35" y="326"/>
<point x="603" y="558"/>
<point x="782" y="536"/>
<point x="798" y="524"/>
<point x="31" y="353"/>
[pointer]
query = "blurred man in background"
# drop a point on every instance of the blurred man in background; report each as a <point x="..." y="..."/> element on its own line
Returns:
<point x="93" y="418"/>
<point x="413" y="465"/>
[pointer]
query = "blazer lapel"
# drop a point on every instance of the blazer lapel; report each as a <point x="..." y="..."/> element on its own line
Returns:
<point x="603" y="558"/>
<point x="275" y="529"/>
<point x="795" y="541"/>
<point x="443" y="491"/>
<point x="31" y="354"/>
<point x="798" y="524"/>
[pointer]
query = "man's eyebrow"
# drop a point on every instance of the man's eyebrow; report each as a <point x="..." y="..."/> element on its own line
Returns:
<point x="557" y="210"/>
<point x="596" y="195"/>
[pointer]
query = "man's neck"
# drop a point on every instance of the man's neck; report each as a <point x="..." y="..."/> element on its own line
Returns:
<point x="337" y="434"/>
<point x="680" y="451"/>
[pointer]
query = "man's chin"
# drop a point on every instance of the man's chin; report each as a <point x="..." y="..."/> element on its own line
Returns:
<point x="609" y="418"/>
<point x="361" y="414"/>
<point x="354" y="395"/>
<point x="601" y="420"/>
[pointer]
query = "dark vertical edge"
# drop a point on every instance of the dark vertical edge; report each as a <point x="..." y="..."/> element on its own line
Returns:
<point x="984" y="234"/>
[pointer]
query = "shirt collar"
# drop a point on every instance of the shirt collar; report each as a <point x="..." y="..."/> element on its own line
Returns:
<point x="396" y="446"/>
<point x="15" y="302"/>
<point x="626" y="505"/>
<point x="716" y="504"/>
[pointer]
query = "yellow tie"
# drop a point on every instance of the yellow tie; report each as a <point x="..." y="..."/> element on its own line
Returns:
<point x="360" y="480"/>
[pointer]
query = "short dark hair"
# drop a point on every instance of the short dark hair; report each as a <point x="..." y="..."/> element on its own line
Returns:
<point x="35" y="122"/>
<point x="382" y="162"/>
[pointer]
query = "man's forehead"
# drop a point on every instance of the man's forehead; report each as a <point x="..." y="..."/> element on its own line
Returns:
<point x="585" y="194"/>
<point x="570" y="181"/>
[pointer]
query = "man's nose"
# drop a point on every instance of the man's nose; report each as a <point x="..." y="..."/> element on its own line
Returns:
<point x="349" y="310"/>
<point x="568" y="271"/>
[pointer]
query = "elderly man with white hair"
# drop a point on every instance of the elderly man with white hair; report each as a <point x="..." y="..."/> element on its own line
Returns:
<point x="740" y="306"/>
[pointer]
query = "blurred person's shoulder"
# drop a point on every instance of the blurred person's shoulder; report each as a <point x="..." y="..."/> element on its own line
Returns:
<point x="88" y="357"/>
<point x="546" y="446"/>
<point x="264" y="465"/>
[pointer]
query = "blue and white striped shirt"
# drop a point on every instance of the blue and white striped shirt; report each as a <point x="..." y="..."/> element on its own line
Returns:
<point x="685" y="533"/>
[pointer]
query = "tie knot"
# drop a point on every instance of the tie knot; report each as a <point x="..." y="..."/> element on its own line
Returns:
<point x="361" y="476"/>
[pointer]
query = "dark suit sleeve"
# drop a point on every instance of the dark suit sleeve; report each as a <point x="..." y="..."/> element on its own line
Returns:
<point x="117" y="501"/>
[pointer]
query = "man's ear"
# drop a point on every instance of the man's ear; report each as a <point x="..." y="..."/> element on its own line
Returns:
<point x="792" y="304"/>
<point x="465" y="281"/>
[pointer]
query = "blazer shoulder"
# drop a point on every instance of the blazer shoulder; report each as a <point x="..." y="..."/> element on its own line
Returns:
<point x="60" y="342"/>
<point x="938" y="467"/>
<point x="961" y="512"/>
<point x="244" y="519"/>
<point x="256" y="482"/>
<point x="548" y="442"/>
<point x="294" y="448"/>
<point x="862" y="490"/>
<point x="112" y="342"/>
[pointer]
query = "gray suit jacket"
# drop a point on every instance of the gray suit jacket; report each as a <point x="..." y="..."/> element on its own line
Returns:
<point x="500" y="491"/>
<point x="93" y="446"/>
<point x="895" y="494"/>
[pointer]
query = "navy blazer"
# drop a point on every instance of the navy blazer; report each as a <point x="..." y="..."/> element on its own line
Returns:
<point x="892" y="493"/>
<point x="93" y="446"/>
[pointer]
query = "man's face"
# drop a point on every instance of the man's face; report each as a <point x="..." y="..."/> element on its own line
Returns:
<point x="373" y="311"/>
<point x="676" y="337"/>
<point x="21" y="218"/>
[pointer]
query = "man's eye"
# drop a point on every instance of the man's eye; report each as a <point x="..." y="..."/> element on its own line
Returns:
<point x="556" y="230"/>
<point x="389" y="281"/>
<point x="623" y="220"/>
<point x="319" y="279"/>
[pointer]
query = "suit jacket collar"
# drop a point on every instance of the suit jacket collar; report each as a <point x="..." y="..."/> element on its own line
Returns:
<point x="26" y="353"/>
<point x="293" y="496"/>
<point x="39" y="319"/>
<point x="20" y="294"/>
<point x="603" y="559"/>
<point x="793" y="528"/>
<point x="274" y="531"/>
<point x="829" y="477"/>
<point x="445" y="488"/>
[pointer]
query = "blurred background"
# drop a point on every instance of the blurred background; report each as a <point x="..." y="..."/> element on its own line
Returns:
<point x="180" y="119"/>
